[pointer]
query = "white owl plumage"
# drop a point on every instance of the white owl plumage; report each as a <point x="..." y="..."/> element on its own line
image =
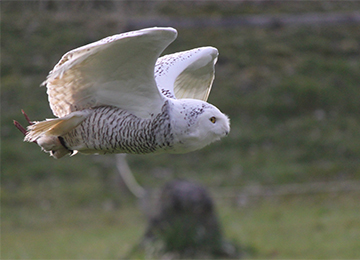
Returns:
<point x="117" y="96"/>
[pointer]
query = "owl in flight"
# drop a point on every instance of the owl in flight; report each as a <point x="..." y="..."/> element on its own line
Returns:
<point x="117" y="96"/>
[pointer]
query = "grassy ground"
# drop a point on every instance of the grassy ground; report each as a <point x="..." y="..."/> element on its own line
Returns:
<point x="69" y="234"/>
<point x="317" y="227"/>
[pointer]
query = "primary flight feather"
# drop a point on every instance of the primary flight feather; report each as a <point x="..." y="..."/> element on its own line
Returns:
<point x="117" y="96"/>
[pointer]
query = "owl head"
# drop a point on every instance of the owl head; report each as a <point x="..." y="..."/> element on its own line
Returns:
<point x="198" y="124"/>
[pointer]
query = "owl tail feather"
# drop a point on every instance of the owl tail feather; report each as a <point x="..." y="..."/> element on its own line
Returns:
<point x="48" y="134"/>
<point x="54" y="127"/>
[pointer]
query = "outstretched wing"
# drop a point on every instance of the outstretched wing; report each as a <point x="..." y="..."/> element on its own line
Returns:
<point x="187" y="74"/>
<point x="117" y="71"/>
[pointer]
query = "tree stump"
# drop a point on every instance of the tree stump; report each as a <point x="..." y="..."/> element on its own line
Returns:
<point x="186" y="225"/>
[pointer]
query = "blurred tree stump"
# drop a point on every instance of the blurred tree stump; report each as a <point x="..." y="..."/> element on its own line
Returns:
<point x="185" y="225"/>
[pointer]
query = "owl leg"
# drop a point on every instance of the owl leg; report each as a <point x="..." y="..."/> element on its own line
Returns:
<point x="47" y="134"/>
<point x="54" y="145"/>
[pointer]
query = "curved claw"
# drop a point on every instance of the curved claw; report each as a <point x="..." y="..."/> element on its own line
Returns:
<point x="26" y="117"/>
<point x="20" y="127"/>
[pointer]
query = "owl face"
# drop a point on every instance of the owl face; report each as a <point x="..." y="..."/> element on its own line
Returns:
<point x="211" y="125"/>
<point x="201" y="124"/>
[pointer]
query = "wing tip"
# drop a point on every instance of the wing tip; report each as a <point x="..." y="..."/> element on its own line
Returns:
<point x="214" y="52"/>
<point x="170" y="32"/>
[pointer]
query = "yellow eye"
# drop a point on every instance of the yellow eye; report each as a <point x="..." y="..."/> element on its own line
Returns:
<point x="212" y="119"/>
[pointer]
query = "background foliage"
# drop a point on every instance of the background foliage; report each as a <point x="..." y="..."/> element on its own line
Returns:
<point x="291" y="91"/>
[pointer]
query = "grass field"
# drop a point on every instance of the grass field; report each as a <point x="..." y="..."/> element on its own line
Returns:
<point x="306" y="227"/>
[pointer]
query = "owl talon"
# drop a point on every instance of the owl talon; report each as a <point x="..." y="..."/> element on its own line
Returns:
<point x="26" y="117"/>
<point x="20" y="127"/>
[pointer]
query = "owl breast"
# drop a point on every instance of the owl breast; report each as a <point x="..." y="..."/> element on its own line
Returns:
<point x="113" y="130"/>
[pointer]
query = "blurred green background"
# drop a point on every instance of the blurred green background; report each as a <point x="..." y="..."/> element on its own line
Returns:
<point x="291" y="90"/>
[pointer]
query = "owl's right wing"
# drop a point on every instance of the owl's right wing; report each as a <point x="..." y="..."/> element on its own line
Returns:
<point x="116" y="71"/>
<point x="187" y="74"/>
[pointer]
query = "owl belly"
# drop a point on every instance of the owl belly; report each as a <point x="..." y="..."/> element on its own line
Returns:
<point x="114" y="130"/>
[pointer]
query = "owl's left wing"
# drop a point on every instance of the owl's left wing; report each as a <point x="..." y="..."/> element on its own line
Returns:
<point x="116" y="71"/>
<point x="187" y="74"/>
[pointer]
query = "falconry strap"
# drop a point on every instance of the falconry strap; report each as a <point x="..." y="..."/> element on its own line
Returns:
<point x="62" y="141"/>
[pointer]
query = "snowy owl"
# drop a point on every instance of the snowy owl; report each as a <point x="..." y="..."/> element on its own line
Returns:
<point x="117" y="96"/>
